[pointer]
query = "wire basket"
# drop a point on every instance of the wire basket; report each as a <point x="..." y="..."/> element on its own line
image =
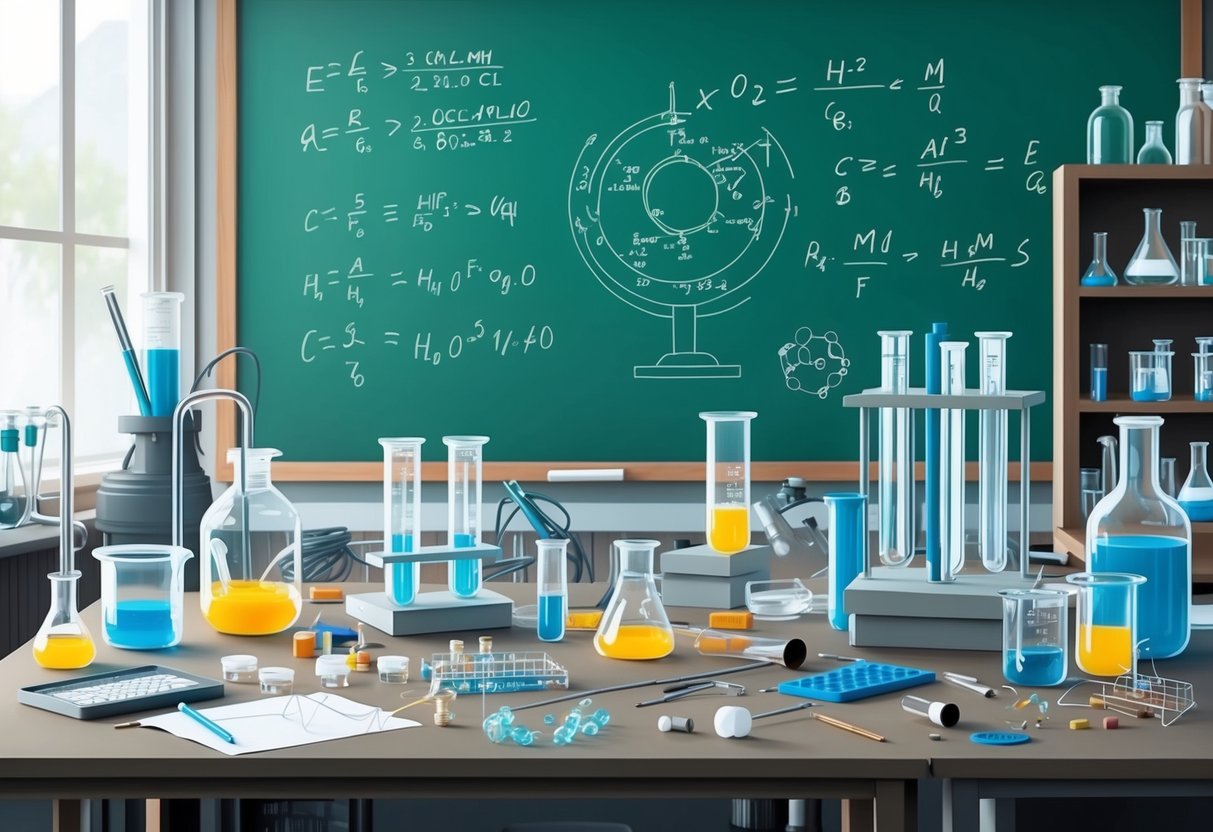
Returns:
<point x="1138" y="695"/>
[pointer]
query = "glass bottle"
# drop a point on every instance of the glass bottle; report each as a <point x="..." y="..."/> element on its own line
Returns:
<point x="1110" y="131"/>
<point x="464" y="484"/>
<point x="1152" y="263"/>
<point x="1193" y="126"/>
<point x="251" y="567"/>
<point x="1196" y="496"/>
<point x="1099" y="273"/>
<point x="1138" y="529"/>
<point x="1154" y="151"/>
<point x="12" y="472"/>
<point x="634" y="625"/>
<point x="401" y="514"/>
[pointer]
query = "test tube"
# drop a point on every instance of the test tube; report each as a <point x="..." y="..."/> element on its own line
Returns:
<point x="1187" y="250"/>
<point x="728" y="480"/>
<point x="401" y="514"/>
<point x="848" y="516"/>
<point x="790" y="653"/>
<point x="896" y="466"/>
<point x="992" y="429"/>
<point x="938" y="333"/>
<point x="1099" y="372"/>
<point x="1166" y="475"/>
<point x="553" y="583"/>
<point x="464" y="470"/>
<point x="952" y="462"/>
<point x="162" y="349"/>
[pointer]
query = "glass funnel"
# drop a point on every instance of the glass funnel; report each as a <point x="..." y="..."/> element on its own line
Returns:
<point x="1099" y="273"/>
<point x="251" y="569"/>
<point x="12" y="472"/>
<point x="1152" y="263"/>
<point x="1154" y="150"/>
<point x="728" y="479"/>
<point x="992" y="430"/>
<point x="1138" y="529"/>
<point x="634" y="625"/>
<point x="1193" y="126"/>
<point x="896" y="465"/>
<point x="142" y="595"/>
<point x="464" y="483"/>
<point x="1196" y="496"/>
<point x="401" y="514"/>
<point x="1109" y="131"/>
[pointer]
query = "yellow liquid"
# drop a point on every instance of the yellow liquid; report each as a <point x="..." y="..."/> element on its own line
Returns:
<point x="730" y="529"/>
<point x="1103" y="650"/>
<point x="67" y="652"/>
<point x="636" y="641"/>
<point x="253" y="608"/>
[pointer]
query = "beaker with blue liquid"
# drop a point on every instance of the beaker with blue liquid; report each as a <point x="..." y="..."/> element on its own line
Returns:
<point x="142" y="595"/>
<point x="1034" y="636"/>
<point x="401" y="514"/>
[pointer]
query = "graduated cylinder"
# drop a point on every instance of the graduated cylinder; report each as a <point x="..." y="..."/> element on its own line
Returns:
<point x="728" y="480"/>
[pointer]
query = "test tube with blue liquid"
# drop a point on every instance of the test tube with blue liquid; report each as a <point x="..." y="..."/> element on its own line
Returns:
<point x="552" y="574"/>
<point x="848" y="521"/>
<point x="1099" y="372"/>
<point x="401" y="514"/>
<point x="464" y="478"/>
<point x="1202" y="388"/>
<point x="162" y="349"/>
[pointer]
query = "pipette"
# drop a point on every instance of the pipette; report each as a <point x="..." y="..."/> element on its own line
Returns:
<point x="128" y="351"/>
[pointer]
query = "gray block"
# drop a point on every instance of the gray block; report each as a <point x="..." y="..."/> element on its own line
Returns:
<point x="709" y="593"/>
<point x="432" y="612"/>
<point x="906" y="593"/>
<point x="928" y="633"/>
<point x="703" y="560"/>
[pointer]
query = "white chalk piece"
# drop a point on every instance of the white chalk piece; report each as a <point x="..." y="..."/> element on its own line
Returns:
<point x="585" y="475"/>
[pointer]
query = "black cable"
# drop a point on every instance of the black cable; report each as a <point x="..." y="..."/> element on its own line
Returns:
<point x="326" y="556"/>
<point x="210" y="368"/>
<point x="561" y="531"/>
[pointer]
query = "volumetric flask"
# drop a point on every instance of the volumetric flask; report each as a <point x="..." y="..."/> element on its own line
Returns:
<point x="464" y="472"/>
<point x="1152" y="263"/>
<point x="551" y="570"/>
<point x="12" y="476"/>
<point x="992" y="428"/>
<point x="401" y="514"/>
<point x="728" y="480"/>
<point x="848" y="522"/>
<point x="142" y="595"/>
<point x="634" y="625"/>
<point x="1034" y="636"/>
<point x="952" y="462"/>
<point x="1105" y="634"/>
<point x="1196" y="496"/>
<point x="896" y="467"/>
<point x="162" y="349"/>
<point x="790" y="653"/>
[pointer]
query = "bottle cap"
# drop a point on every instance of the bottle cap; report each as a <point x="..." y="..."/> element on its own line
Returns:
<point x="238" y="663"/>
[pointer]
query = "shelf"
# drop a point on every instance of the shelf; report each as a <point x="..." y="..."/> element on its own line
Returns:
<point x="1123" y="404"/>
<point x="1160" y="173"/>
<point x="1140" y="292"/>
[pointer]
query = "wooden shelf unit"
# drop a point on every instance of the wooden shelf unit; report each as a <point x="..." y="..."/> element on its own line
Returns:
<point x="1089" y="198"/>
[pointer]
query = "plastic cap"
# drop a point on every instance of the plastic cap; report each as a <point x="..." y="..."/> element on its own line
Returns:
<point x="944" y="714"/>
<point x="332" y="665"/>
<point x="392" y="664"/>
<point x="238" y="663"/>
<point x="276" y="674"/>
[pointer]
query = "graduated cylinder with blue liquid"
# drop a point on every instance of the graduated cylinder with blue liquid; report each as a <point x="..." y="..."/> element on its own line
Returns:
<point x="848" y="527"/>
<point x="162" y="349"/>
<point x="401" y="514"/>
<point x="464" y="478"/>
<point x="551" y="569"/>
<point x="1139" y="529"/>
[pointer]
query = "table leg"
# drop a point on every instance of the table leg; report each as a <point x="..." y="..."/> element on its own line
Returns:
<point x="857" y="816"/>
<point x="66" y="815"/>
<point x="961" y="806"/>
<point x="896" y="806"/>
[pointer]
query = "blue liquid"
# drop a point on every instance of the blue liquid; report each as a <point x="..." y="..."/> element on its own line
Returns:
<point x="1163" y="600"/>
<point x="141" y="625"/>
<point x="163" y="385"/>
<point x="1097" y="280"/>
<point x="400" y="579"/>
<point x="847" y="549"/>
<point x="1198" y="511"/>
<point x="1205" y="395"/>
<point x="1149" y="396"/>
<point x="551" y="618"/>
<point x="464" y="574"/>
<point x="132" y="370"/>
<point x="11" y="511"/>
<point x="1042" y="666"/>
<point x="1099" y="384"/>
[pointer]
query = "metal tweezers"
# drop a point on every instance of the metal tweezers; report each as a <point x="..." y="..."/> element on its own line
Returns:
<point x="679" y="691"/>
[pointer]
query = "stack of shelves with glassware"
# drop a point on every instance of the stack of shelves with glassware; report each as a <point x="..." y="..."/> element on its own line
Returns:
<point x="1111" y="199"/>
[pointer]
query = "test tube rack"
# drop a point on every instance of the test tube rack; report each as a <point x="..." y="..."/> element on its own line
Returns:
<point x="504" y="672"/>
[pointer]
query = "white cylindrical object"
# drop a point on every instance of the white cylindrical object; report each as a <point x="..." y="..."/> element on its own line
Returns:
<point x="943" y="714"/>
<point x="239" y="668"/>
<point x="393" y="670"/>
<point x="733" y="721"/>
<point x="333" y="671"/>
<point x="952" y="461"/>
<point x="277" y="681"/>
<point x="681" y="724"/>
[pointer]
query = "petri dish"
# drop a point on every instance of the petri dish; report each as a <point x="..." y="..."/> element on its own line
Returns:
<point x="778" y="600"/>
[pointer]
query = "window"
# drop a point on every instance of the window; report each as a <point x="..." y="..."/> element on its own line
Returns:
<point x="78" y="128"/>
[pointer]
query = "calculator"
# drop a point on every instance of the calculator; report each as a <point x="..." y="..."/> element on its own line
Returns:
<point x="120" y="691"/>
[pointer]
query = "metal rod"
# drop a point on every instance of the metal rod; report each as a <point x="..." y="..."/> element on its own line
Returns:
<point x="864" y="480"/>
<point x="631" y="685"/>
<point x="1025" y="476"/>
<point x="67" y="551"/>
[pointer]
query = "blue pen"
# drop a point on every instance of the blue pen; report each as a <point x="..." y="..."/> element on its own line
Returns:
<point x="208" y="724"/>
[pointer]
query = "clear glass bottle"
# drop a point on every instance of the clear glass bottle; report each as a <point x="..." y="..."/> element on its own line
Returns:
<point x="1193" y="126"/>
<point x="1154" y="150"/>
<point x="251" y="566"/>
<point x="634" y="625"/>
<point x="1099" y="273"/>
<point x="12" y="472"/>
<point x="1110" y="131"/>
<point x="464" y="484"/>
<point x="1138" y="529"/>
<point x="401" y="514"/>
<point x="895" y="471"/>
<point x="1196" y="496"/>
<point x="1206" y="92"/>
<point x="1152" y="263"/>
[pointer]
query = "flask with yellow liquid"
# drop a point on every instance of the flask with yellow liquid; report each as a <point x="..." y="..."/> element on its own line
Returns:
<point x="728" y="479"/>
<point x="634" y="625"/>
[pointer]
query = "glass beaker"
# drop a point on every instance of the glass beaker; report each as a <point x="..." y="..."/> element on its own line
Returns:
<point x="1150" y="375"/>
<point x="634" y="625"/>
<point x="848" y="526"/>
<point x="1106" y="630"/>
<point x="952" y="462"/>
<point x="1034" y="636"/>
<point x="401" y="514"/>
<point x="142" y="595"/>
<point x="1202" y="382"/>
<point x="1099" y="372"/>
<point x="13" y="483"/>
<point x="63" y="641"/>
<point x="1099" y="273"/>
<point x="1139" y="529"/>
<point x="162" y="349"/>
<point x="1110" y="131"/>
<point x="1152" y="263"/>
<point x="551" y="571"/>
<point x="992" y="471"/>
<point x="728" y="480"/>
<point x="1090" y="491"/>
<point x="1193" y="125"/>
<point x="1154" y="149"/>
<point x="251" y="564"/>
<point x="896" y="465"/>
<point x="1196" y="496"/>
<point x="1194" y="268"/>
<point x="464" y="483"/>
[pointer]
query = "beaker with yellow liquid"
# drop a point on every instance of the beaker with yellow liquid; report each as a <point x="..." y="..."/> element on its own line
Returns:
<point x="634" y="625"/>
<point x="728" y="479"/>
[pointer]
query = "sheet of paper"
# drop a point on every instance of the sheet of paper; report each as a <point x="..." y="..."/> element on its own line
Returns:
<point x="280" y="722"/>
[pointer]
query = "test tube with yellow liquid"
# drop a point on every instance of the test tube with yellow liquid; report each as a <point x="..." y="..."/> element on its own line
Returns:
<point x="728" y="479"/>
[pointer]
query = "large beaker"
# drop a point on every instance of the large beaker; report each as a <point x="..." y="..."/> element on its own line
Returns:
<point x="1139" y="529"/>
<point x="952" y="462"/>
<point x="992" y="472"/>
<point x="896" y="466"/>
<point x="848" y="522"/>
<point x="251" y="571"/>
<point x="1152" y="263"/>
<point x="1034" y="636"/>
<point x="1109" y="131"/>
<point x="1108" y="627"/>
<point x="142" y="595"/>
<point x="13" y="478"/>
<point x="1196" y="496"/>
<point x="634" y="625"/>
<point x="464" y="483"/>
<point x="728" y="480"/>
<point x="401" y="514"/>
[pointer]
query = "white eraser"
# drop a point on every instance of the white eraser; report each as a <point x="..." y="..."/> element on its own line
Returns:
<point x="585" y="475"/>
<point x="664" y="723"/>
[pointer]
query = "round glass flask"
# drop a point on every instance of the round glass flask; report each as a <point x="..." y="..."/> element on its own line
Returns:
<point x="634" y="625"/>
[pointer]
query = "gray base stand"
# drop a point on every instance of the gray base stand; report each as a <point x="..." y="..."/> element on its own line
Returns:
<point x="432" y="612"/>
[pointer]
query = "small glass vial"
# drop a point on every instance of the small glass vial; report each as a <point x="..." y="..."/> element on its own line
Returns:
<point x="393" y="670"/>
<point x="277" y="681"/>
<point x="1099" y="273"/>
<point x="1099" y="372"/>
<point x="241" y="669"/>
<point x="333" y="671"/>
<point x="1154" y="151"/>
<point x="1166" y="475"/>
<point x="1110" y="131"/>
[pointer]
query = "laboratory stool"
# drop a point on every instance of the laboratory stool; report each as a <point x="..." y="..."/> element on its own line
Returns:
<point x="568" y="826"/>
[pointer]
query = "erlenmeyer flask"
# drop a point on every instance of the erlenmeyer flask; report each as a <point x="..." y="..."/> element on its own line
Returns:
<point x="1196" y="497"/>
<point x="63" y="642"/>
<point x="634" y="625"/>
<point x="1099" y="273"/>
<point x="1152" y="263"/>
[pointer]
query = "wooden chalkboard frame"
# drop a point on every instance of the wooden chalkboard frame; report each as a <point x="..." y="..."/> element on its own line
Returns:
<point x="226" y="127"/>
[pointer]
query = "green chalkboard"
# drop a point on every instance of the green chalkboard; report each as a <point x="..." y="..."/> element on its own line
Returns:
<point x="573" y="226"/>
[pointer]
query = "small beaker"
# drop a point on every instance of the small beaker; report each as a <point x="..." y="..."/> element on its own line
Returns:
<point x="240" y="668"/>
<point x="848" y="523"/>
<point x="276" y="681"/>
<point x="393" y="670"/>
<point x="728" y="480"/>
<point x="142" y="595"/>
<point x="1099" y="372"/>
<point x="1034" y="631"/>
<point x="634" y="625"/>
<point x="1150" y="375"/>
<point x="1194" y="266"/>
<point x="1090" y="490"/>
<point x="551" y="571"/>
<point x="333" y="670"/>
<point x="1105" y="635"/>
<point x="1202" y="385"/>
